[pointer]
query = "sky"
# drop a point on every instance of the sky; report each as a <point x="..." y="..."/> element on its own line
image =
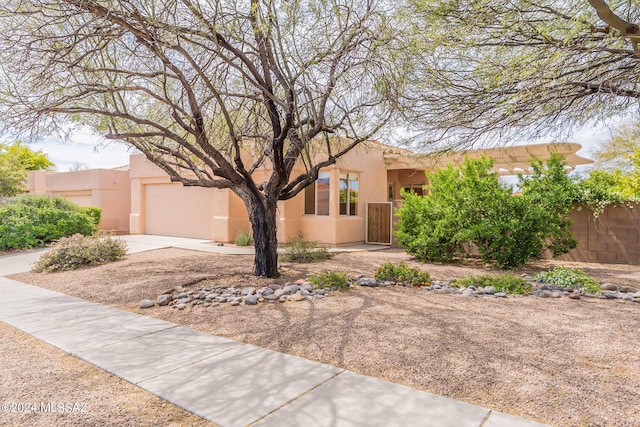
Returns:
<point x="84" y="149"/>
<point x="90" y="151"/>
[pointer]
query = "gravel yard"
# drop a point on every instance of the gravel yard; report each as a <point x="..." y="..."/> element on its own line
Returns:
<point x="559" y="361"/>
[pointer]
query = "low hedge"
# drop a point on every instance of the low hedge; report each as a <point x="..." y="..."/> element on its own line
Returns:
<point x="30" y="221"/>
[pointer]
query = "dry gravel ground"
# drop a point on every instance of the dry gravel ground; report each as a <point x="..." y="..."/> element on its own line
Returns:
<point x="558" y="361"/>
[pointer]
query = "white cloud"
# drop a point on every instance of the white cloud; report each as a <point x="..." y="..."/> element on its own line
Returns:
<point x="84" y="148"/>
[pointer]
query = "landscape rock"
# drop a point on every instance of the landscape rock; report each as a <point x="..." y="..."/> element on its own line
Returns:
<point x="251" y="300"/>
<point x="296" y="297"/>
<point x="291" y="289"/>
<point x="468" y="293"/>
<point x="249" y="290"/>
<point x="164" y="299"/>
<point x="146" y="303"/>
<point x="303" y="290"/>
<point x="368" y="282"/>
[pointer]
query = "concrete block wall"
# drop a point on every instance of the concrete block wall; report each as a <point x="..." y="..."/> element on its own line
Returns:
<point x="614" y="237"/>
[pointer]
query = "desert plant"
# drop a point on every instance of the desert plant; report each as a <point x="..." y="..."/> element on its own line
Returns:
<point x="570" y="278"/>
<point x="402" y="273"/>
<point x="298" y="249"/>
<point x="330" y="279"/>
<point x="508" y="283"/>
<point x="243" y="238"/>
<point x="30" y="221"/>
<point x="77" y="251"/>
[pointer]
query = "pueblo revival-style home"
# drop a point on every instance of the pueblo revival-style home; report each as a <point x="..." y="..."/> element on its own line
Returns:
<point x="350" y="203"/>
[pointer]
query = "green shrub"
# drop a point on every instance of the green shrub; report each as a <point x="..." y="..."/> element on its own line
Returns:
<point x="467" y="206"/>
<point x="243" y="238"/>
<point x="329" y="279"/>
<point x="300" y="250"/>
<point x="79" y="251"/>
<point x="402" y="273"/>
<point x="508" y="283"/>
<point x="571" y="278"/>
<point x="32" y="221"/>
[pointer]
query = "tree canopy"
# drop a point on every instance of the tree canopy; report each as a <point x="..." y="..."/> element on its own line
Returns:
<point x="213" y="92"/>
<point x="16" y="159"/>
<point x="523" y="68"/>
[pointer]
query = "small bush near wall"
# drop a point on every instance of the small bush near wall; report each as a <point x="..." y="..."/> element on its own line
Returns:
<point x="31" y="221"/>
<point x="77" y="251"/>
<point x="299" y="249"/>
<point x="243" y="238"/>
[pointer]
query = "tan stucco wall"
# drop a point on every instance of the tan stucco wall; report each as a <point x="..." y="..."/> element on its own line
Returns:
<point x="37" y="182"/>
<point x="107" y="189"/>
<point x="335" y="229"/>
<point x="219" y="214"/>
<point x="161" y="207"/>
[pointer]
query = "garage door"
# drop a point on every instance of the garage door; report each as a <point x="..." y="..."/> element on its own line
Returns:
<point x="174" y="210"/>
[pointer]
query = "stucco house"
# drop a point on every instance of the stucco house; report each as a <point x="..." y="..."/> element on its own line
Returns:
<point x="350" y="203"/>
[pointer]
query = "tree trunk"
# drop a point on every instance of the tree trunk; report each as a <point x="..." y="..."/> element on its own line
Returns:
<point x="262" y="215"/>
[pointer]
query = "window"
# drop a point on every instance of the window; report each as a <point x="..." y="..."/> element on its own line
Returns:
<point x="417" y="189"/>
<point x="316" y="196"/>
<point x="348" y="194"/>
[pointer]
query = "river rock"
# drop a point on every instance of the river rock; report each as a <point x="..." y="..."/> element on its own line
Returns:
<point x="146" y="303"/>
<point x="164" y="299"/>
<point x="251" y="300"/>
<point x="249" y="290"/>
<point x="291" y="289"/>
<point x="468" y="293"/>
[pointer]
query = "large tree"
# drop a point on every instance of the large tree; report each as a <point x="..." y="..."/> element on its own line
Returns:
<point x="523" y="68"/>
<point x="211" y="91"/>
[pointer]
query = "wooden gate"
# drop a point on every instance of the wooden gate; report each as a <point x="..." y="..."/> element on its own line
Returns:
<point x="379" y="223"/>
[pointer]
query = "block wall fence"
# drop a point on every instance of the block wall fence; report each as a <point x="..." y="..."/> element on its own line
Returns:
<point x="614" y="237"/>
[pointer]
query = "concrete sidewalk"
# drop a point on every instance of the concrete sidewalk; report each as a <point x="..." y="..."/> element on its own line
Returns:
<point x="227" y="382"/>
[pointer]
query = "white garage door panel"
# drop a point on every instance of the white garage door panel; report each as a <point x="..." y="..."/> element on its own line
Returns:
<point x="174" y="210"/>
